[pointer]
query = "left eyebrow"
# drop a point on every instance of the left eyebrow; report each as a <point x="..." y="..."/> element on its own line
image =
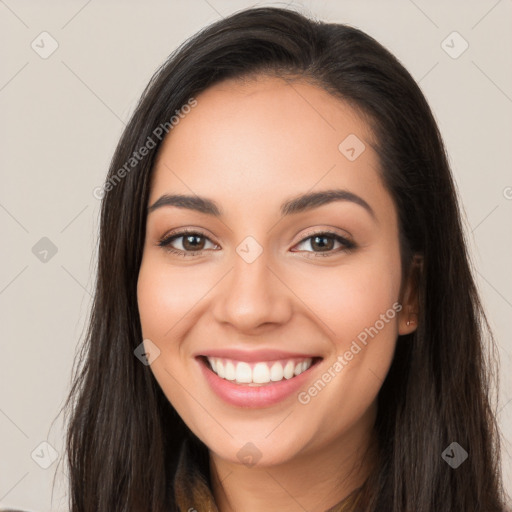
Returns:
<point x="298" y="204"/>
<point x="313" y="200"/>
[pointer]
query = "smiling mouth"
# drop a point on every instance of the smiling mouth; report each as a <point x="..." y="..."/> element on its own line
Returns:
<point x="260" y="373"/>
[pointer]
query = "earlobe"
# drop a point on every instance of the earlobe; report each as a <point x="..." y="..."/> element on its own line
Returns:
<point x="407" y="322"/>
<point x="408" y="317"/>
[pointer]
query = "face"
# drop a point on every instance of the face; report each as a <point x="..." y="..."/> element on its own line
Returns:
<point x="294" y="303"/>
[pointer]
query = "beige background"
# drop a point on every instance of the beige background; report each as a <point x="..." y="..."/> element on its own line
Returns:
<point x="62" y="117"/>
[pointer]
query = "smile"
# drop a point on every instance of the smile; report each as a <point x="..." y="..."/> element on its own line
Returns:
<point x="258" y="373"/>
<point x="259" y="382"/>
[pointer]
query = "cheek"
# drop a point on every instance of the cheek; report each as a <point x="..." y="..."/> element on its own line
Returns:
<point x="351" y="298"/>
<point x="359" y="306"/>
<point x="165" y="297"/>
<point x="169" y="301"/>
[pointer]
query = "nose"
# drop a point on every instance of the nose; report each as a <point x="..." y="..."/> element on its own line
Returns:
<point x="253" y="296"/>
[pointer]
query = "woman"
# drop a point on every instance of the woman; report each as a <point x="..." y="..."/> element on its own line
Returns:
<point x="284" y="317"/>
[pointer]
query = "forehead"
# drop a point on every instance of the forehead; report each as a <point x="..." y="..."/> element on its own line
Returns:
<point x="266" y="139"/>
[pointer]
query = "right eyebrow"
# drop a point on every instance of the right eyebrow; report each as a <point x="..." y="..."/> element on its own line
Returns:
<point x="196" y="203"/>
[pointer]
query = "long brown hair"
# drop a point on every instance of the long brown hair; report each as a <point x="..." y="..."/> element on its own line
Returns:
<point x="124" y="435"/>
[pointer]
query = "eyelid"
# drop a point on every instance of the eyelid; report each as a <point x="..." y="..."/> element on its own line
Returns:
<point x="328" y="230"/>
<point x="186" y="230"/>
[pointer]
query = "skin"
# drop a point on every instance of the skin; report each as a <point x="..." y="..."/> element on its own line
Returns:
<point x="250" y="146"/>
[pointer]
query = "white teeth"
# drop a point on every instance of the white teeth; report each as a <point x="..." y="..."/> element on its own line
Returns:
<point x="260" y="373"/>
<point x="220" y="369"/>
<point x="288" y="370"/>
<point x="276" y="372"/>
<point x="229" y="371"/>
<point x="243" y="373"/>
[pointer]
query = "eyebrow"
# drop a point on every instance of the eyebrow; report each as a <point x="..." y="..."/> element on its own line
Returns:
<point x="293" y="206"/>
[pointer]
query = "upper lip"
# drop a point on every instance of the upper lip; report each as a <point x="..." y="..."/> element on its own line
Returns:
<point x="254" y="355"/>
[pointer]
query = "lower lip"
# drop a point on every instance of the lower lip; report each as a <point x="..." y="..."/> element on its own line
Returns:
<point x="252" y="397"/>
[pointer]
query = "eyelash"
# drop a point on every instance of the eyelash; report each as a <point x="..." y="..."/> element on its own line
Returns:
<point x="167" y="240"/>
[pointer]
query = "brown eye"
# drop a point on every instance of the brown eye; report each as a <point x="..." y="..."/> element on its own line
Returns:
<point x="193" y="242"/>
<point x="190" y="242"/>
<point x="324" y="243"/>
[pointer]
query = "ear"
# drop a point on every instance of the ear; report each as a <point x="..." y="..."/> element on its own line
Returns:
<point x="409" y="297"/>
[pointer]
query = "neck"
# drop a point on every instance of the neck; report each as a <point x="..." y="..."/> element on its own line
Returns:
<point x="314" y="480"/>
